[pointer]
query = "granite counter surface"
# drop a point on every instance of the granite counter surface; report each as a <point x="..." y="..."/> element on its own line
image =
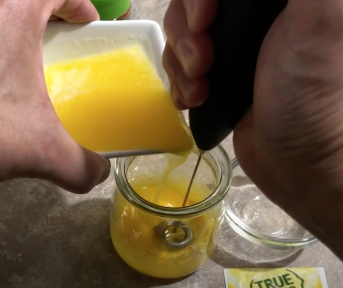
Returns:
<point x="50" y="238"/>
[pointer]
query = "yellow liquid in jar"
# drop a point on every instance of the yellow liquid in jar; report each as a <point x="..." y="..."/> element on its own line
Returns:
<point x="115" y="101"/>
<point x="132" y="229"/>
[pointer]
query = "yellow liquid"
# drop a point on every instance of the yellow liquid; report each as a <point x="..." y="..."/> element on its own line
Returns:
<point x="115" y="101"/>
<point x="132" y="229"/>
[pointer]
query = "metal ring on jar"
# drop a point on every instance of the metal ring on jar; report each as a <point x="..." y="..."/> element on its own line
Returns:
<point x="167" y="232"/>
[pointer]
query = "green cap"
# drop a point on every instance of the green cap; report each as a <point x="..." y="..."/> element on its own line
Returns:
<point x="111" y="9"/>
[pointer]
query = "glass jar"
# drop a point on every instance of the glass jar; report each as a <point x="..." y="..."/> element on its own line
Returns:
<point x="159" y="240"/>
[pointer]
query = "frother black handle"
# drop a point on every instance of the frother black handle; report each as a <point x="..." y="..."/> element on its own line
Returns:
<point x="237" y="33"/>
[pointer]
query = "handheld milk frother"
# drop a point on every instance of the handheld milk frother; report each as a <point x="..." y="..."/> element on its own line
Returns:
<point x="237" y="34"/>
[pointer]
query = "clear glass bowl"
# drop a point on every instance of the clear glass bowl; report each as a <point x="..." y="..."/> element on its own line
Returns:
<point x="253" y="216"/>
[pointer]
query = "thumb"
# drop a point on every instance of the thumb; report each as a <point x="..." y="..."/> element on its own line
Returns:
<point x="70" y="166"/>
<point x="76" y="11"/>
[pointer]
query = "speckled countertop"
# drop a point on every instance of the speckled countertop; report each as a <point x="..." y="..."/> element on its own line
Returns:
<point x="50" y="238"/>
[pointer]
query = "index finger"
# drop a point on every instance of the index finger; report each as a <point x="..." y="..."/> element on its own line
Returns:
<point x="200" y="13"/>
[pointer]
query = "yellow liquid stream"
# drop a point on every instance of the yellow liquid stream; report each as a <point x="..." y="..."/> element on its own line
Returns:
<point x="115" y="101"/>
<point x="132" y="229"/>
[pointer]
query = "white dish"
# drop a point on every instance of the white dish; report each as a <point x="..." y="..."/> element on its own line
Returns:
<point x="63" y="41"/>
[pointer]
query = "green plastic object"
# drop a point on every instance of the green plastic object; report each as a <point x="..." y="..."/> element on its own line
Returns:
<point x="111" y="9"/>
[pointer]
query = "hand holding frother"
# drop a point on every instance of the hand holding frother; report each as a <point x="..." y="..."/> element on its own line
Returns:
<point x="237" y="34"/>
<point x="290" y="141"/>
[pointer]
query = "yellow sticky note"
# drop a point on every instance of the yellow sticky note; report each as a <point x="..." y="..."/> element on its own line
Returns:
<point x="313" y="277"/>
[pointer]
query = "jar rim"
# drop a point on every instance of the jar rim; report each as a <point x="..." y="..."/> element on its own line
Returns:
<point x="218" y="156"/>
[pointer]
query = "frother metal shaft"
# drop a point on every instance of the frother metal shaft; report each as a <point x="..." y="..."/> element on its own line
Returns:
<point x="192" y="178"/>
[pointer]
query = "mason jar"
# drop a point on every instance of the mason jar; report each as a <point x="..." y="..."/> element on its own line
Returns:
<point x="161" y="240"/>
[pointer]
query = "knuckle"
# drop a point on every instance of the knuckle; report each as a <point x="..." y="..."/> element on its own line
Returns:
<point x="203" y="15"/>
<point x="170" y="62"/>
<point x="203" y="55"/>
<point x="200" y="91"/>
<point x="177" y="98"/>
<point x="169" y="20"/>
<point x="175" y="22"/>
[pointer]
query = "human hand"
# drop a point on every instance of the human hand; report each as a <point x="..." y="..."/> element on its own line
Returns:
<point x="33" y="142"/>
<point x="290" y="143"/>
